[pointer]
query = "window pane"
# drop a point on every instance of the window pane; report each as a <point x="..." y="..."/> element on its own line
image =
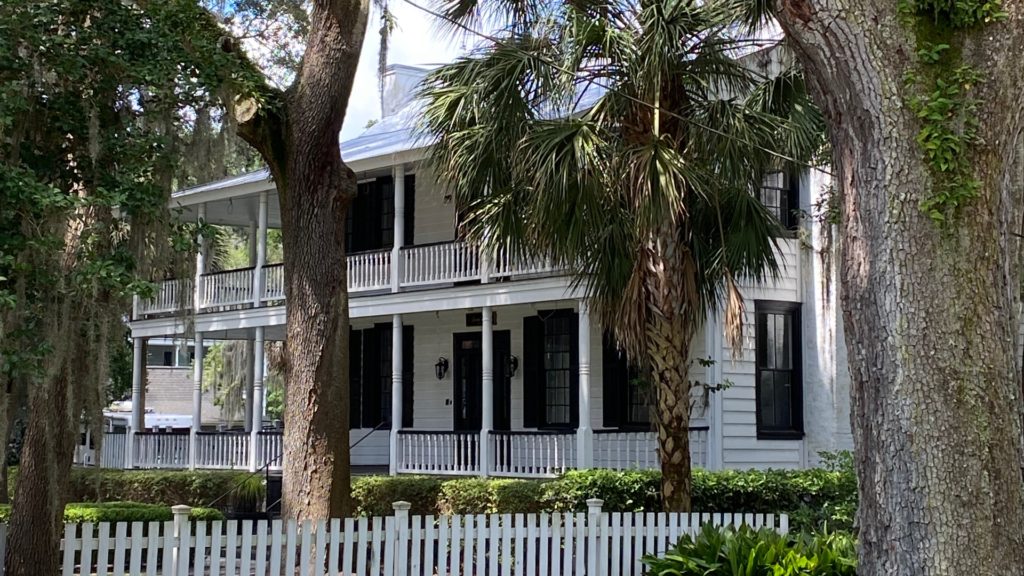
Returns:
<point x="766" y="395"/>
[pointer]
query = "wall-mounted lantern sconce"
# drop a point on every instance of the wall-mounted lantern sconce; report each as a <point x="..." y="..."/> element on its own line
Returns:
<point x="513" y="365"/>
<point x="441" y="368"/>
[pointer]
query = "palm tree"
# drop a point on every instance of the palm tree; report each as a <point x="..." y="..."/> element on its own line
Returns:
<point x="623" y="139"/>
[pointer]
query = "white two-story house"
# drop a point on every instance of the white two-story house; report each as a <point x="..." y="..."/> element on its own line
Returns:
<point x="470" y="363"/>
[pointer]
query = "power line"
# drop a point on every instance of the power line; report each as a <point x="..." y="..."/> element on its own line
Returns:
<point x="611" y="89"/>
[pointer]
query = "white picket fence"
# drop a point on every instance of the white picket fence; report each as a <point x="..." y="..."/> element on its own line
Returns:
<point x="593" y="543"/>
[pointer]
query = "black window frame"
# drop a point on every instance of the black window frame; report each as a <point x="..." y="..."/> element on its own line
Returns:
<point x="535" y="372"/>
<point x="370" y="220"/>
<point x="788" y="210"/>
<point x="762" y="309"/>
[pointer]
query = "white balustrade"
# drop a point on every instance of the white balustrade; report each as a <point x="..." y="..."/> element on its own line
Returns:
<point x="639" y="450"/>
<point x="439" y="452"/>
<point x="171" y="296"/>
<point x="273" y="282"/>
<point x="431" y="264"/>
<point x="269" y="450"/>
<point x="160" y="450"/>
<point x="226" y="451"/>
<point x="532" y="454"/>
<point x="439" y="263"/>
<point x="228" y="288"/>
<point x="113" y="452"/>
<point x="505" y="264"/>
<point x="369" y="271"/>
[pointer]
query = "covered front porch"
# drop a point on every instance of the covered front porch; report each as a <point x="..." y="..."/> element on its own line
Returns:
<point x="527" y="389"/>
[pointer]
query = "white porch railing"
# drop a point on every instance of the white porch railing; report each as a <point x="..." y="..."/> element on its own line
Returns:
<point x="171" y="296"/>
<point x="369" y="271"/>
<point x="273" y="283"/>
<point x="456" y="453"/>
<point x="532" y="454"/>
<point x="222" y="450"/>
<point x="436" y="263"/>
<point x="269" y="450"/>
<point x="591" y="543"/>
<point x="639" y="450"/>
<point x="431" y="264"/>
<point x="505" y="264"/>
<point x="160" y="450"/>
<point x="227" y="288"/>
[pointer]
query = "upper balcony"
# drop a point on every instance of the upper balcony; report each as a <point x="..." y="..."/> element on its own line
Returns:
<point x="435" y="265"/>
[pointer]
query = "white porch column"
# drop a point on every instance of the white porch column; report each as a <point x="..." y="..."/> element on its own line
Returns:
<point x="256" y="400"/>
<point x="584" y="433"/>
<point x="713" y="339"/>
<point x="138" y="423"/>
<point x="487" y="386"/>
<point x="197" y="399"/>
<point x="261" y="253"/>
<point x="396" y="391"/>
<point x="398" y="175"/>
<point x="197" y="295"/>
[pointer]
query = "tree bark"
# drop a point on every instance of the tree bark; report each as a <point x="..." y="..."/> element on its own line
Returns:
<point x="41" y="490"/>
<point x="299" y="141"/>
<point x="930" y="310"/>
<point x="669" y="333"/>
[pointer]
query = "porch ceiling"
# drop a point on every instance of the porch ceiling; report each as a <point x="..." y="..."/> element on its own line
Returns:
<point x="234" y="211"/>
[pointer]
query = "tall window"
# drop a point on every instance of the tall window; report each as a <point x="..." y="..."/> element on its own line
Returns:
<point x="779" y="388"/>
<point x="780" y="194"/>
<point x="551" y="369"/>
<point x="370" y="376"/>
<point x="370" y="221"/>
<point x="558" y="333"/>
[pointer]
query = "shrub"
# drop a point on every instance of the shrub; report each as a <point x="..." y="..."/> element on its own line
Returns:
<point x="466" y="496"/>
<point x="622" y="491"/>
<point x="168" y="487"/>
<point x="483" y="496"/>
<point x="375" y="495"/>
<point x="122" y="512"/>
<point x="744" y="552"/>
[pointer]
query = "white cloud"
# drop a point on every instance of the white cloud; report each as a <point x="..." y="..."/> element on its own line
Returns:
<point x="416" y="40"/>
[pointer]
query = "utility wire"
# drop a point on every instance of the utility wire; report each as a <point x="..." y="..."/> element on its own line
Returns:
<point x="609" y="88"/>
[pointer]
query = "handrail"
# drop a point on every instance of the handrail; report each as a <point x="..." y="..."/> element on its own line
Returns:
<point x="367" y="435"/>
<point x="565" y="432"/>
<point x="638" y="431"/>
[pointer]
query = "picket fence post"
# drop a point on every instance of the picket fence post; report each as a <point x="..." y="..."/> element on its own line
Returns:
<point x="179" y="555"/>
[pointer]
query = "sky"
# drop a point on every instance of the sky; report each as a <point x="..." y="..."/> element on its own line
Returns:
<point x="415" y="41"/>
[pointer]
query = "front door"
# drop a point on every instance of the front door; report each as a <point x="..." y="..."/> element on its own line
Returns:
<point x="468" y="380"/>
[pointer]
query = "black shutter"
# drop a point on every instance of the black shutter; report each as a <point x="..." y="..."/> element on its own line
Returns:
<point x="533" y="369"/>
<point x="355" y="377"/>
<point x="408" y="341"/>
<point x="611" y="381"/>
<point x="793" y="200"/>
<point x="371" y="378"/>
<point x="410" y="209"/>
<point x="574" y="392"/>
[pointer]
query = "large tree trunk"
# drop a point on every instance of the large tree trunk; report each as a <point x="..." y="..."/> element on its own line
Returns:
<point x="41" y="490"/>
<point x="929" y="308"/>
<point x="300" y="144"/>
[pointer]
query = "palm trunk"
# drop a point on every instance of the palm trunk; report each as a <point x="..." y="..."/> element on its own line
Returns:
<point x="929" y="308"/>
<point x="669" y="331"/>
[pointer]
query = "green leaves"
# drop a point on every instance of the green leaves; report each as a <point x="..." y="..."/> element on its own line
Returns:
<point x="745" y="552"/>
<point x="591" y="127"/>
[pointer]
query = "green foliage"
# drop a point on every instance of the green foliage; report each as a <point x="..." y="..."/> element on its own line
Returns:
<point x="622" y="491"/>
<point x="168" y="488"/>
<point x="122" y="512"/>
<point x="745" y="552"/>
<point x="942" y="97"/>
<point x="814" y="498"/>
<point x="480" y="495"/>
<point x="374" y="495"/>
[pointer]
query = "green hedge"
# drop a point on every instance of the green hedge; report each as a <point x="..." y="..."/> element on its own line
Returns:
<point x="122" y="512"/>
<point x="821" y="497"/>
<point x="168" y="487"/>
